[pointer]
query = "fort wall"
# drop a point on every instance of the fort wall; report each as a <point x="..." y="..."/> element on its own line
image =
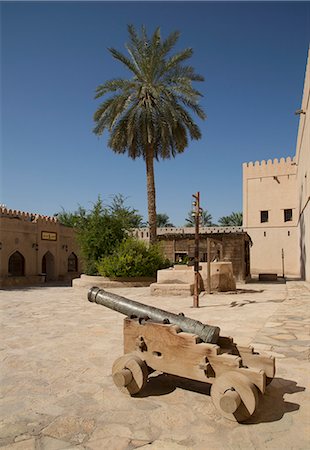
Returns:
<point x="270" y="168"/>
<point x="32" y="245"/>
<point x="276" y="204"/>
<point x="303" y="176"/>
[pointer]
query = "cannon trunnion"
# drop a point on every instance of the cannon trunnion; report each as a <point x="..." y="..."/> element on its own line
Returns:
<point x="236" y="373"/>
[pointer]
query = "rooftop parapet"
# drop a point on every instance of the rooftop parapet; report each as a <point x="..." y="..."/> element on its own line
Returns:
<point x="26" y="216"/>
<point x="282" y="166"/>
<point x="144" y="232"/>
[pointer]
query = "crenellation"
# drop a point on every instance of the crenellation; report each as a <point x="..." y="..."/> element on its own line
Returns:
<point x="275" y="167"/>
<point x="143" y="233"/>
<point x="25" y="215"/>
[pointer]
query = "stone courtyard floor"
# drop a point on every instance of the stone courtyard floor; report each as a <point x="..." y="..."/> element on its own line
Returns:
<point x="57" y="350"/>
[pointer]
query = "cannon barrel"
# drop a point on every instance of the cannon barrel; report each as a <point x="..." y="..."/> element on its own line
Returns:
<point x="207" y="333"/>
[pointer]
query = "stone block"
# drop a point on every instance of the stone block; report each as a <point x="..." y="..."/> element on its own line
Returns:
<point x="167" y="289"/>
<point x="175" y="276"/>
<point x="222" y="278"/>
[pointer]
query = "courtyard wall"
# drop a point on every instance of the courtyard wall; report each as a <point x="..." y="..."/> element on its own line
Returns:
<point x="35" y="248"/>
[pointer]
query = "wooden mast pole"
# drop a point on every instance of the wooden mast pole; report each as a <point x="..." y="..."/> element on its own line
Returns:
<point x="196" y="259"/>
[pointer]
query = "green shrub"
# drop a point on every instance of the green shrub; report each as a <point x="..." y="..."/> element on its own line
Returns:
<point x="100" y="230"/>
<point x="98" y="234"/>
<point x="133" y="258"/>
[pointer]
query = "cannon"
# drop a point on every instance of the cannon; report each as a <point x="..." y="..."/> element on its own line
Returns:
<point x="131" y="308"/>
<point x="157" y="340"/>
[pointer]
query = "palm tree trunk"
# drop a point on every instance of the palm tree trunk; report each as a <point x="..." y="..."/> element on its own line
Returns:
<point x="151" y="195"/>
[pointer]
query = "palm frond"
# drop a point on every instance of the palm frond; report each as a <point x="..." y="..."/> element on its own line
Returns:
<point x="123" y="59"/>
<point x="113" y="86"/>
<point x="178" y="58"/>
<point x="153" y="107"/>
<point x="169" y="43"/>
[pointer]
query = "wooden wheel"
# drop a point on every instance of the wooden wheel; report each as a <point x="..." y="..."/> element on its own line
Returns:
<point x="129" y="374"/>
<point x="234" y="396"/>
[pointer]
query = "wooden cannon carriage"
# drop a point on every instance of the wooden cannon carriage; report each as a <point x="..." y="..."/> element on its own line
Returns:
<point x="237" y="374"/>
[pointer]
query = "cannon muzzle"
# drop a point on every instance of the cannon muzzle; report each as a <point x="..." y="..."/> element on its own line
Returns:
<point x="206" y="333"/>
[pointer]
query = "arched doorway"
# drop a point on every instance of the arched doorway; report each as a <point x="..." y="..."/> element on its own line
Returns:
<point x="72" y="263"/>
<point x="16" y="265"/>
<point x="48" y="266"/>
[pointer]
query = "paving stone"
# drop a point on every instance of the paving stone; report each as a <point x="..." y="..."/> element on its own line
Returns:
<point x="22" y="437"/>
<point x="273" y="324"/>
<point x="48" y="443"/>
<point x="136" y="443"/>
<point x="165" y="445"/>
<point x="109" y="443"/>
<point x="74" y="429"/>
<point x="58" y="351"/>
<point x="110" y="430"/>
<point x="284" y="336"/>
<point x="12" y="429"/>
<point x="29" y="444"/>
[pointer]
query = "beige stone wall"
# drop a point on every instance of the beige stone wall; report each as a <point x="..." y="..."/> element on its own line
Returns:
<point x="274" y="186"/>
<point x="269" y="244"/>
<point x="303" y="177"/>
<point x="22" y="232"/>
<point x="271" y="186"/>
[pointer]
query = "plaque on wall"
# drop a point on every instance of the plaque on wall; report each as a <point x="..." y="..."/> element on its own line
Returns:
<point x="48" y="236"/>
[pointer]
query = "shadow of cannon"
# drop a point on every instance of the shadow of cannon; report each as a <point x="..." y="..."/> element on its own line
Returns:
<point x="271" y="408"/>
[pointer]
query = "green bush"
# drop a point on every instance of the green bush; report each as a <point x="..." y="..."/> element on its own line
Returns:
<point x="133" y="258"/>
<point x="98" y="234"/>
<point x="100" y="230"/>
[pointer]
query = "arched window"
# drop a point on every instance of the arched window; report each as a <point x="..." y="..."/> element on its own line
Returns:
<point x="72" y="263"/>
<point x="16" y="265"/>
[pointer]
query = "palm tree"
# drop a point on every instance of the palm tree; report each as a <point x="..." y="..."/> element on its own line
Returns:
<point x="148" y="115"/>
<point x="205" y="219"/>
<point x="233" y="220"/>
<point x="163" y="220"/>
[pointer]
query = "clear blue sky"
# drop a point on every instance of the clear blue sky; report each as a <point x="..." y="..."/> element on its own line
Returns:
<point x="54" y="55"/>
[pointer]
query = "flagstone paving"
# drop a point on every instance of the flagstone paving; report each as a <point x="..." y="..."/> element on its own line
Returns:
<point x="57" y="392"/>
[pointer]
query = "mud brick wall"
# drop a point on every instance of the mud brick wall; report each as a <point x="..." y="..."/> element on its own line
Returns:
<point x="224" y="247"/>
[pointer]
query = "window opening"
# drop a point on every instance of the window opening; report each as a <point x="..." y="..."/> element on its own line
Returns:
<point x="288" y="215"/>
<point x="72" y="263"/>
<point x="264" y="216"/>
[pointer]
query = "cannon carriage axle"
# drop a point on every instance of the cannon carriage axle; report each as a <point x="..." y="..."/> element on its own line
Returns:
<point x="154" y="342"/>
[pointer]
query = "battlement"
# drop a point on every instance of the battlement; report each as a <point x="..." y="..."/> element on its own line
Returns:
<point x="26" y="216"/>
<point x="143" y="233"/>
<point x="282" y="166"/>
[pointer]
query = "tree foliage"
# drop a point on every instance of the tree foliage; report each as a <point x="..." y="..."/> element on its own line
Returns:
<point x="148" y="114"/>
<point x="162" y="220"/>
<point x="71" y="219"/>
<point x="205" y="219"/>
<point x="98" y="233"/>
<point x="133" y="258"/>
<point x="100" y="230"/>
<point x="234" y="219"/>
<point x="129" y="216"/>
